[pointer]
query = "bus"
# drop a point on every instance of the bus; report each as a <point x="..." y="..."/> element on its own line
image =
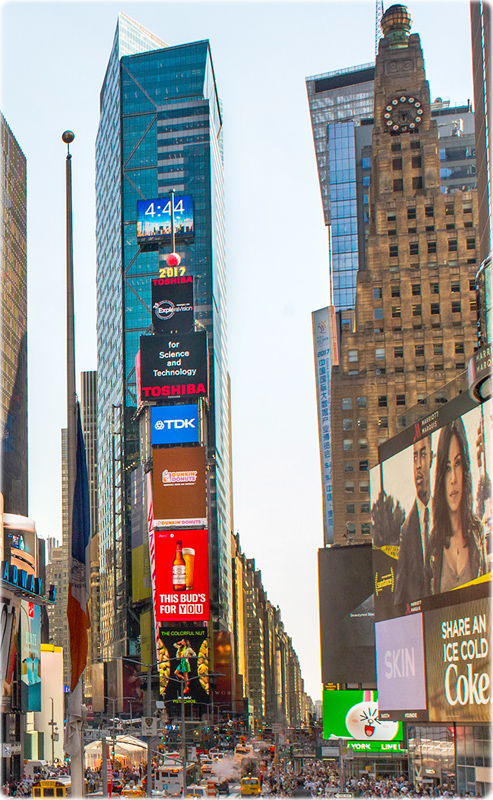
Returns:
<point x="53" y="787"/>
<point x="168" y="778"/>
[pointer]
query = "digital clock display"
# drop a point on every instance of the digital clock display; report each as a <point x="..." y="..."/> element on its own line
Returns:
<point x="154" y="219"/>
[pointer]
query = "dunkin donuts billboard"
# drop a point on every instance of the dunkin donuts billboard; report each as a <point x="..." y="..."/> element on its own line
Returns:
<point x="179" y="487"/>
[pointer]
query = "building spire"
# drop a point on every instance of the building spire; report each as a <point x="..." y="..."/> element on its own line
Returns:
<point x="396" y="25"/>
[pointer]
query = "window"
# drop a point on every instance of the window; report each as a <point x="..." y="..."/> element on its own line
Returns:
<point x="378" y="313"/>
<point x="396" y="147"/>
<point x="361" y="402"/>
<point x="377" y="293"/>
<point x="396" y="311"/>
<point x="352" y="355"/>
<point x="470" y="244"/>
<point x="366" y="163"/>
<point x="449" y="209"/>
<point x="379" y="352"/>
<point x="412" y="230"/>
<point x="429" y="211"/>
<point x="416" y="289"/>
<point x="415" y="145"/>
<point x="416" y="163"/>
<point x="460" y="365"/>
<point x="400" y="399"/>
<point x="349" y="487"/>
<point x="416" y="309"/>
<point x="382" y="401"/>
<point x="347" y="445"/>
<point x="350" y="529"/>
<point x="398" y="185"/>
<point x="473" y="306"/>
<point x="347" y="403"/>
<point x="430" y="228"/>
<point x="363" y="465"/>
<point x="391" y="216"/>
<point x="455" y="286"/>
<point x="434" y="288"/>
<point x="452" y="245"/>
<point x="413" y="249"/>
<point x="418" y="183"/>
<point x="395" y="291"/>
<point x="350" y="508"/>
<point x="467" y="209"/>
<point x="434" y="308"/>
<point x="365" y="528"/>
<point x="456" y="307"/>
<point x="365" y="507"/>
<point x="392" y="232"/>
<point x="411" y="212"/>
<point x="363" y="444"/>
<point x="432" y="247"/>
<point x="348" y="466"/>
<point x="419" y="350"/>
<point x="393" y="250"/>
<point x="396" y="163"/>
<point x="438" y="349"/>
<point x="450" y="227"/>
<point x="468" y="224"/>
<point x="383" y="422"/>
<point x="420" y="367"/>
<point x="459" y="347"/>
<point x="364" y="486"/>
<point x="472" y="284"/>
<point x="347" y="424"/>
<point x="362" y="424"/>
<point x="399" y="352"/>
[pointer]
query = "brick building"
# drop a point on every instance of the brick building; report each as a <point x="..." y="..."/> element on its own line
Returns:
<point x="414" y="326"/>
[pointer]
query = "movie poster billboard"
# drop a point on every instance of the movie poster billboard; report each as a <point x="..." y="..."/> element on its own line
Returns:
<point x="20" y="543"/>
<point x="183" y="665"/>
<point x="30" y="656"/>
<point x="10" y="611"/>
<point x="355" y="716"/>
<point x="173" y="366"/>
<point x="433" y="479"/>
<point x="154" y="219"/>
<point x="141" y="571"/>
<point x="431" y="519"/>
<point x="223" y="666"/>
<point x="179" y="487"/>
<point x="172" y="305"/>
<point x="182" y="575"/>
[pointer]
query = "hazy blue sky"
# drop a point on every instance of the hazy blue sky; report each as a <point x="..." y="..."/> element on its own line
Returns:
<point x="54" y="57"/>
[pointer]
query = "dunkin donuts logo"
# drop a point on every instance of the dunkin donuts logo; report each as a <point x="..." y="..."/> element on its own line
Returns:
<point x="185" y="477"/>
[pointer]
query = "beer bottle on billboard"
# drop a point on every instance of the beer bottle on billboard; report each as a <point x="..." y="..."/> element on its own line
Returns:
<point x="179" y="569"/>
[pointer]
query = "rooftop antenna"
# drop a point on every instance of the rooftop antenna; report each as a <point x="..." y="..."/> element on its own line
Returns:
<point x="378" y="19"/>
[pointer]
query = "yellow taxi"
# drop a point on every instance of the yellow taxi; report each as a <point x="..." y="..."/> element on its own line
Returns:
<point x="249" y="785"/>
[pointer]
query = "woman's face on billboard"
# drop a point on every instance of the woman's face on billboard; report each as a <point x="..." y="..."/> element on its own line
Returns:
<point x="454" y="476"/>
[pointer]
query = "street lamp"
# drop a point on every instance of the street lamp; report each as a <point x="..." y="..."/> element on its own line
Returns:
<point x="53" y="725"/>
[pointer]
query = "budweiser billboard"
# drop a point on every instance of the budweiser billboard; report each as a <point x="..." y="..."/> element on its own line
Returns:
<point x="182" y="575"/>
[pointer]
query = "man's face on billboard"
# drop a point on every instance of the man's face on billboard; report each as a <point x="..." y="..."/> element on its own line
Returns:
<point x="422" y="457"/>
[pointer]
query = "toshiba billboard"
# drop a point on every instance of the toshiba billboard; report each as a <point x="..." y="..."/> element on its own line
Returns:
<point x="173" y="366"/>
<point x="179" y="487"/>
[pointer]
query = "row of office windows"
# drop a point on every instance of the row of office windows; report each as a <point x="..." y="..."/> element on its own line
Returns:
<point x="395" y="289"/>
<point x="432" y="247"/>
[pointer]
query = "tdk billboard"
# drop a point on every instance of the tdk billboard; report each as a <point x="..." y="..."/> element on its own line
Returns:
<point x="174" y="424"/>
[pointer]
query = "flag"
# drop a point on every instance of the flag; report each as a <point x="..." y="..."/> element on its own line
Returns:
<point x="78" y="591"/>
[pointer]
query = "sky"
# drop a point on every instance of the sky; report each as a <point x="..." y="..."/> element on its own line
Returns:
<point x="53" y="60"/>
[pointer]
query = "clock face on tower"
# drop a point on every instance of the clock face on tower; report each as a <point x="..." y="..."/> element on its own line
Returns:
<point x="402" y="113"/>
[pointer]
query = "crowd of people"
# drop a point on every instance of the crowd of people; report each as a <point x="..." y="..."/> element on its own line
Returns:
<point x="322" y="779"/>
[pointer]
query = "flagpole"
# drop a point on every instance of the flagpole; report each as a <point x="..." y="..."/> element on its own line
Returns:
<point x="76" y="763"/>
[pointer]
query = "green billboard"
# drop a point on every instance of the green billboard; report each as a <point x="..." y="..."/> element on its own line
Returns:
<point x="355" y="715"/>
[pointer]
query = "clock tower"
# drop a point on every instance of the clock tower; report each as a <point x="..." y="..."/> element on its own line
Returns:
<point x="414" y="326"/>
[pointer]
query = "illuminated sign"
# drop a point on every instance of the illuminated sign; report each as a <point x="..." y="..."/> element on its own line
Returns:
<point x="173" y="366"/>
<point x="172" y="306"/>
<point x="356" y="714"/>
<point x="20" y="579"/>
<point x="183" y="665"/>
<point x="179" y="487"/>
<point x="174" y="424"/>
<point x="182" y="575"/>
<point x="154" y="219"/>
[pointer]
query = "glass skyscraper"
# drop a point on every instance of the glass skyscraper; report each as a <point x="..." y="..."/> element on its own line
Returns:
<point x="160" y="129"/>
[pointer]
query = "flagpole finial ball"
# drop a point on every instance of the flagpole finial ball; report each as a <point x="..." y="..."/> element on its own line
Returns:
<point x="68" y="137"/>
<point x="173" y="259"/>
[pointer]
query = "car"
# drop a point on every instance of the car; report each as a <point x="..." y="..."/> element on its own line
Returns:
<point x="250" y="785"/>
<point x="222" y="787"/>
<point x="117" y="786"/>
<point x="206" y="767"/>
<point x="197" y="791"/>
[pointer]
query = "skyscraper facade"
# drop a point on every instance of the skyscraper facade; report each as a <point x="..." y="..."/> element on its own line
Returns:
<point x="160" y="130"/>
<point x="13" y="325"/>
<point x="415" y="309"/>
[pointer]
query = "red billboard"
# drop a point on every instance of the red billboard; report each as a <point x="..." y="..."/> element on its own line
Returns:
<point x="182" y="575"/>
<point x="179" y="487"/>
